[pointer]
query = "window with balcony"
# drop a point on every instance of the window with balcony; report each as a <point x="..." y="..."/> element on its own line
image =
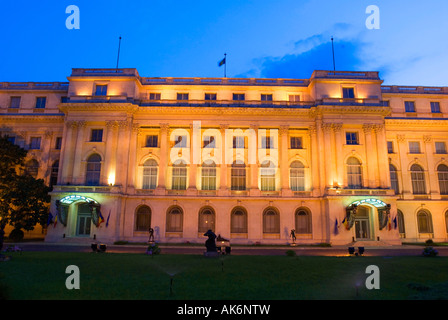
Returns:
<point x="418" y="179"/>
<point x="354" y="173"/>
<point x="210" y="96"/>
<point x="238" y="176"/>
<point x="267" y="176"/>
<point x="101" y="90"/>
<point x="238" y="96"/>
<point x="348" y="93"/>
<point x="208" y="175"/>
<point x="93" y="170"/>
<point x="294" y="98"/>
<point x="266" y="97"/>
<point x="297" y="176"/>
<point x="154" y="96"/>
<point x="182" y="96"/>
<point x="179" y="175"/>
<point x="149" y="174"/>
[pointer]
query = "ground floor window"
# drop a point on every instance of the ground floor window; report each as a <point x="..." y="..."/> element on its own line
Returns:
<point x="238" y="221"/>
<point x="142" y="218"/>
<point x="271" y="221"/>
<point x="174" y="220"/>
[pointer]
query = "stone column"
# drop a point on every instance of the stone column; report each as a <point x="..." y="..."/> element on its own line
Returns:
<point x="253" y="183"/>
<point x="315" y="178"/>
<point x="284" y="168"/>
<point x="122" y="153"/>
<point x="77" y="166"/>
<point x="406" y="185"/>
<point x="46" y="163"/>
<point x="68" y="151"/>
<point x="194" y="147"/>
<point x="134" y="132"/>
<point x="329" y="163"/>
<point x="322" y="155"/>
<point x="223" y="186"/>
<point x="163" y="164"/>
<point x="370" y="156"/>
<point x="432" y="180"/>
<point x="383" y="162"/>
<point x="110" y="160"/>
<point x="339" y="143"/>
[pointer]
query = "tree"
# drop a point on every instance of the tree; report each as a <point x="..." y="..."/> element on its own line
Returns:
<point x="24" y="200"/>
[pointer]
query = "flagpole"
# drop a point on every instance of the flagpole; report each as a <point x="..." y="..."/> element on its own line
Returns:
<point x="332" y="48"/>
<point x="118" y="57"/>
<point x="225" y="65"/>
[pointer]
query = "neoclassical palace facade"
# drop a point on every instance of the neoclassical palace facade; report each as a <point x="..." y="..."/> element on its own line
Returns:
<point x="337" y="158"/>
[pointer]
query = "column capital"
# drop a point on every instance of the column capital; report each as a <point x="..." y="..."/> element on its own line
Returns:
<point x="401" y="137"/>
<point x="367" y="127"/>
<point x="427" y="138"/>
<point x="164" y="127"/>
<point x="284" y="130"/>
<point x="337" y="127"/>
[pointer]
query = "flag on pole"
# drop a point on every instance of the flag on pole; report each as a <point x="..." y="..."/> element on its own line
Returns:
<point x="100" y="219"/>
<point x="389" y="224"/>
<point x="222" y="62"/>
<point x="336" y="230"/>
<point x="55" y="221"/>
<point x="395" y="222"/>
<point x="107" y="221"/>
<point x="345" y="223"/>
<point x="50" y="219"/>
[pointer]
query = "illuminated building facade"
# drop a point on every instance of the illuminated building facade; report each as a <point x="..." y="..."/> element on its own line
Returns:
<point x="338" y="157"/>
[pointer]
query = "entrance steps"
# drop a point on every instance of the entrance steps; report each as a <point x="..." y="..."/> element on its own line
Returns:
<point x="371" y="243"/>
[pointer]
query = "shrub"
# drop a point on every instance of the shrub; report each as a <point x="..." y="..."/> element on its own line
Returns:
<point x="153" y="249"/>
<point x="16" y="235"/>
<point x="290" y="253"/>
<point x="430" y="252"/>
<point x="429" y="242"/>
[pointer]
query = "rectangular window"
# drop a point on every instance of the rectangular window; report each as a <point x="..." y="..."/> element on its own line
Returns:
<point x="238" y="96"/>
<point x="409" y="106"/>
<point x="352" y="138"/>
<point x="267" y="142"/>
<point x="209" y="142"/>
<point x="64" y="99"/>
<point x="154" y="96"/>
<point x="294" y="98"/>
<point x="101" y="90"/>
<point x="296" y="142"/>
<point x="15" y="102"/>
<point x="41" y="102"/>
<point x="414" y="147"/>
<point x="210" y="96"/>
<point x="238" y="142"/>
<point x="348" y="93"/>
<point x="96" y="135"/>
<point x="35" y="143"/>
<point x="266" y="97"/>
<point x="58" y="144"/>
<point x="435" y="107"/>
<point x="182" y="96"/>
<point x="390" y="147"/>
<point x="180" y="142"/>
<point x="151" y="141"/>
<point x="440" y="148"/>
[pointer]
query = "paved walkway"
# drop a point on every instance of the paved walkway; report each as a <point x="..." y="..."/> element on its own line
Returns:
<point x="406" y="250"/>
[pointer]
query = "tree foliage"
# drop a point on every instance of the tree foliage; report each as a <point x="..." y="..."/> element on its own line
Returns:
<point x="24" y="200"/>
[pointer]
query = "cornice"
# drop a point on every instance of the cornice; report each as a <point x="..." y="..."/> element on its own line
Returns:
<point x="98" y="106"/>
<point x="419" y="122"/>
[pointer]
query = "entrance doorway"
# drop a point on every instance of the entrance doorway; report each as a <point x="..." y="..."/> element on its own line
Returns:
<point x="362" y="224"/>
<point x="84" y="221"/>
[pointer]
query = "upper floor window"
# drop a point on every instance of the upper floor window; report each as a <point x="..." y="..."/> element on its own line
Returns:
<point x="41" y="102"/>
<point x="390" y="147"/>
<point x="238" y="142"/>
<point x="418" y="179"/>
<point x="435" y="107"/>
<point x="35" y="143"/>
<point x="296" y="142"/>
<point x="58" y="143"/>
<point x="15" y="102"/>
<point x="96" y="135"/>
<point x="182" y="96"/>
<point x="440" y="148"/>
<point x="154" y="96"/>
<point x="64" y="99"/>
<point x="266" y="97"/>
<point x="351" y="138"/>
<point x="348" y="93"/>
<point x="149" y="174"/>
<point x="354" y="173"/>
<point x="32" y="168"/>
<point x="101" y="90"/>
<point x="180" y="142"/>
<point x="93" y="170"/>
<point x="209" y="142"/>
<point x="442" y="172"/>
<point x="267" y="142"/>
<point x="409" y="106"/>
<point x="210" y="96"/>
<point x="414" y="147"/>
<point x="151" y="141"/>
<point x="238" y="96"/>
<point x="294" y="97"/>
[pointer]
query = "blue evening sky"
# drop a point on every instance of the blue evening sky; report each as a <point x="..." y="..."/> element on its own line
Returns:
<point x="262" y="38"/>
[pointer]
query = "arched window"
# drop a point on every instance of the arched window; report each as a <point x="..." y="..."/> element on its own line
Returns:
<point x="142" y="218"/>
<point x="303" y="221"/>
<point x="442" y="171"/>
<point x="424" y="222"/>
<point x="394" y="179"/>
<point x="354" y="173"/>
<point x="446" y="220"/>
<point x="93" y="170"/>
<point x="267" y="175"/>
<point x="418" y="179"/>
<point x="179" y="177"/>
<point x="149" y="174"/>
<point x="174" y="220"/>
<point x="238" y="221"/>
<point x="206" y="220"/>
<point x="208" y="176"/>
<point x="32" y="168"/>
<point x="238" y="176"/>
<point x="400" y="222"/>
<point x="271" y="221"/>
<point x="54" y="173"/>
<point x="297" y="176"/>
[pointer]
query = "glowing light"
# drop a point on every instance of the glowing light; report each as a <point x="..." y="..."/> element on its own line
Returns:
<point x="111" y="179"/>
<point x="72" y="198"/>
<point x="375" y="202"/>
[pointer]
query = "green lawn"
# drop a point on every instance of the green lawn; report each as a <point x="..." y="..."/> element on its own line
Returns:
<point x="41" y="275"/>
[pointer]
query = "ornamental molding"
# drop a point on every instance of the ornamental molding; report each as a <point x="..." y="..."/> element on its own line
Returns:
<point x="89" y="107"/>
<point x="419" y="122"/>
